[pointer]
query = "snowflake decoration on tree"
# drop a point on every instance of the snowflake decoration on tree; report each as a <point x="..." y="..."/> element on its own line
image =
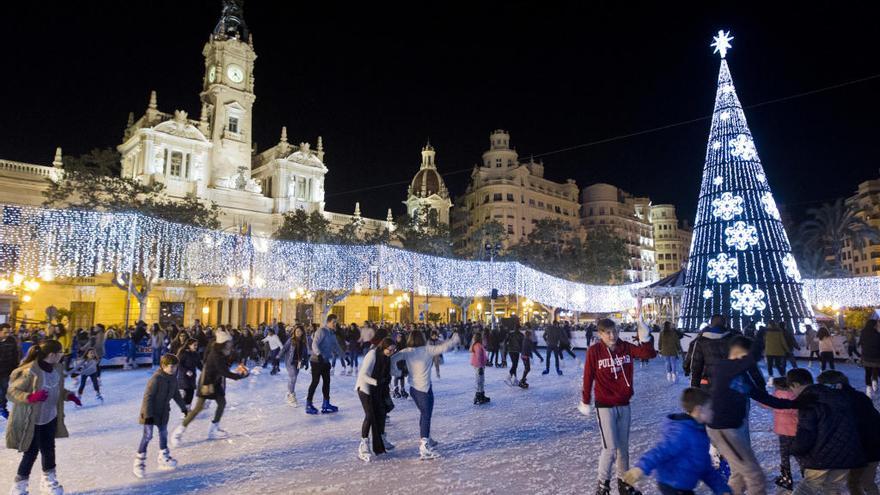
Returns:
<point x="725" y="115"/>
<point x="760" y="177"/>
<point x="723" y="268"/>
<point x="770" y="205"/>
<point x="747" y="299"/>
<point x="716" y="145"/>
<point x="743" y="147"/>
<point x="727" y="206"/>
<point x="718" y="180"/>
<point x="791" y="268"/>
<point x="741" y="236"/>
<point x="707" y="294"/>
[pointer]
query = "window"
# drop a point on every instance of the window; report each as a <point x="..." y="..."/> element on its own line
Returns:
<point x="188" y="163"/>
<point x="601" y="211"/>
<point x="510" y="197"/>
<point x="485" y="199"/>
<point x="509" y="163"/>
<point x="339" y="311"/>
<point x="540" y="204"/>
<point x="498" y="163"/>
<point x="557" y="209"/>
<point x="301" y="187"/>
<point x="373" y="313"/>
<point x="510" y="229"/>
<point x="591" y="211"/>
<point x="176" y="164"/>
<point x="531" y="202"/>
<point x="233" y="125"/>
<point x="662" y="267"/>
<point x="171" y="313"/>
<point x="496" y="197"/>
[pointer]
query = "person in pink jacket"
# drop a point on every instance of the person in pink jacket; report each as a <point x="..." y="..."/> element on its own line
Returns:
<point x="785" y="423"/>
<point x="479" y="358"/>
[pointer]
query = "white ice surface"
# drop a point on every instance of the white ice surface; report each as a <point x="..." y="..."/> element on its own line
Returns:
<point x="525" y="442"/>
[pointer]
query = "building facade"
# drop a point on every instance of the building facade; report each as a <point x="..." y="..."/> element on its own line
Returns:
<point x="513" y="193"/>
<point x="427" y="194"/>
<point x="629" y="218"/>
<point x="672" y="241"/>
<point x="864" y="261"/>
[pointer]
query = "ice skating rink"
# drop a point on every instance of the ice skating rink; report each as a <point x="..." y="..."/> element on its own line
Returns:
<point x="525" y="442"/>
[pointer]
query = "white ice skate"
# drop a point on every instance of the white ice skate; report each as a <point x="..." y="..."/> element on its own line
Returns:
<point x="364" y="452"/>
<point x="177" y="436"/>
<point x="291" y="399"/>
<point x="166" y="462"/>
<point x="388" y="445"/>
<point x="426" y="452"/>
<point x="869" y="391"/>
<point x="140" y="465"/>
<point x="49" y="484"/>
<point x="217" y="433"/>
<point x="19" y="487"/>
<point x="874" y="385"/>
<point x="674" y="377"/>
<point x="669" y="377"/>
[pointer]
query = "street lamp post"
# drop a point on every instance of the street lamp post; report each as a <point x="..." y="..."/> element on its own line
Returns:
<point x="492" y="250"/>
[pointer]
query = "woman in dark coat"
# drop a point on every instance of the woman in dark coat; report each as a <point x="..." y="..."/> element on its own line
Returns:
<point x="212" y="386"/>
<point x="869" y="341"/>
<point x="190" y="363"/>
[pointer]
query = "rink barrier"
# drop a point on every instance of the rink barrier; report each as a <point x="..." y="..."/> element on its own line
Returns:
<point x="115" y="352"/>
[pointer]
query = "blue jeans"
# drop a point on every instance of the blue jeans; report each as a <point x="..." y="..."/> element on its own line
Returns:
<point x="292" y="373"/>
<point x="82" y="383"/>
<point x="671" y="364"/>
<point x="425" y="403"/>
<point x="148" y="435"/>
<point x="132" y="351"/>
<point x="158" y="352"/>
<point x="353" y="358"/>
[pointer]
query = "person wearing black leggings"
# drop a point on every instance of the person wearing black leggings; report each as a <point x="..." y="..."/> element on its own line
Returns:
<point x="869" y="341"/>
<point x="514" y="348"/>
<point x="324" y="345"/>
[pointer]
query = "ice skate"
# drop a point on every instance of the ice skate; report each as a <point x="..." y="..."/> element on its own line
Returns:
<point x="177" y="436"/>
<point x="403" y="394"/>
<point x="396" y="393"/>
<point x="523" y="383"/>
<point x="19" y="487"/>
<point x="217" y="433"/>
<point x="426" y="452"/>
<point x="874" y="385"/>
<point x="477" y="399"/>
<point x="364" y="452"/>
<point x="546" y="372"/>
<point x="328" y="408"/>
<point x="310" y="408"/>
<point x="674" y="377"/>
<point x="624" y="488"/>
<point x="669" y="377"/>
<point x="166" y="462"/>
<point x="604" y="488"/>
<point x="140" y="465"/>
<point x="388" y="445"/>
<point x="784" y="481"/>
<point x="559" y="372"/>
<point x="483" y="398"/>
<point x="100" y="398"/>
<point x="869" y="391"/>
<point x="49" y="484"/>
<point x="291" y="399"/>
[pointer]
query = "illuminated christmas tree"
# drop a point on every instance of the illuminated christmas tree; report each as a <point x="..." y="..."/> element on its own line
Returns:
<point x="740" y="262"/>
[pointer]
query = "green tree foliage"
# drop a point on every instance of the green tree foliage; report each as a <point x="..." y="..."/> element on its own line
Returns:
<point x="91" y="182"/>
<point x="552" y="247"/>
<point x="424" y="233"/>
<point x="830" y="227"/>
<point x="603" y="258"/>
<point x="492" y="232"/>
<point x="297" y="225"/>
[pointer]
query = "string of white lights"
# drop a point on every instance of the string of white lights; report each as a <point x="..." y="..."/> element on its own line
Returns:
<point x="45" y="244"/>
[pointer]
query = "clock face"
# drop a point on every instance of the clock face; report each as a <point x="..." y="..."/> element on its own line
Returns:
<point x="212" y="74"/>
<point x="235" y="73"/>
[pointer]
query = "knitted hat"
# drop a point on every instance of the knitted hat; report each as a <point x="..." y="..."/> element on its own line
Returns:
<point x="221" y="337"/>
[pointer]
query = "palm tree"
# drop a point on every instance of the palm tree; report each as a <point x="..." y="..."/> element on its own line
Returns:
<point x="832" y="225"/>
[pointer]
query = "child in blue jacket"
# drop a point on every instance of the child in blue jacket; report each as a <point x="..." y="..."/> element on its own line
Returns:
<point x="681" y="459"/>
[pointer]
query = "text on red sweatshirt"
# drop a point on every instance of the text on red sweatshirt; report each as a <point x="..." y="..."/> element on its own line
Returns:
<point x="612" y="371"/>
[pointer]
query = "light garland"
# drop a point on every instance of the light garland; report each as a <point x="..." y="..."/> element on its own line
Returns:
<point x="71" y="243"/>
<point x="740" y="263"/>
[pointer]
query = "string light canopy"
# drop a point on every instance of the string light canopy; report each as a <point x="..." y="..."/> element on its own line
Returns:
<point x="740" y="262"/>
<point x="73" y="243"/>
<point x="45" y="244"/>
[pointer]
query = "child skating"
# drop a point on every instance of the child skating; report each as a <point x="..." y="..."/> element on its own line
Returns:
<point x="155" y="410"/>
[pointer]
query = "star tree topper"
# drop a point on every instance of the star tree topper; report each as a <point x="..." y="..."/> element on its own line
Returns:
<point x="721" y="42"/>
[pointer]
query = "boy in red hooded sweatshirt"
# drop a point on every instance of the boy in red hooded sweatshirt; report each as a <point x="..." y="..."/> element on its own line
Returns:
<point x="609" y="368"/>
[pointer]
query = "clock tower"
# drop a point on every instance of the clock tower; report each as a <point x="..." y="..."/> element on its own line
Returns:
<point x="228" y="97"/>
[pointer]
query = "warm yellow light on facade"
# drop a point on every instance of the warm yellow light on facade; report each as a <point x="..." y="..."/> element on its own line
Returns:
<point x="31" y="285"/>
<point x="26" y="298"/>
<point x="206" y="310"/>
<point x="17" y="279"/>
<point x="230" y="280"/>
<point x="5" y="285"/>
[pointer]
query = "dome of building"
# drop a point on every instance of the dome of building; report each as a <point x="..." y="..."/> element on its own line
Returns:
<point x="427" y="182"/>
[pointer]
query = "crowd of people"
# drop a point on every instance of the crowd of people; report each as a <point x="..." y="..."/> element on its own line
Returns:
<point x="826" y="427"/>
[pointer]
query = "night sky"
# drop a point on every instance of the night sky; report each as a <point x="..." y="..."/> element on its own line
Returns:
<point x="377" y="80"/>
